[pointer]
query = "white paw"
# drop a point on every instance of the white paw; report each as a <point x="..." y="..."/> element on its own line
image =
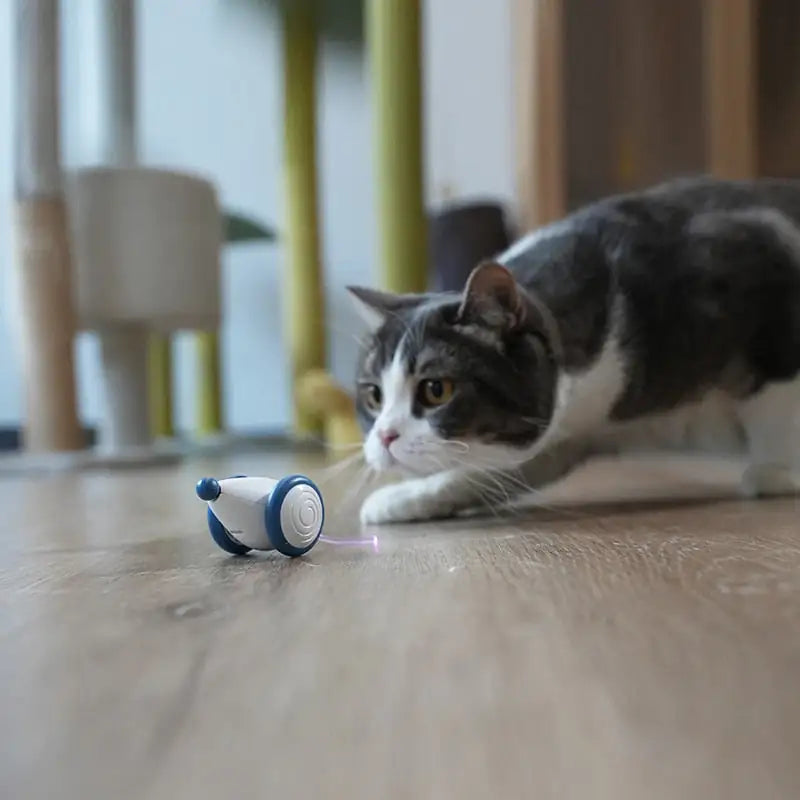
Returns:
<point x="768" y="480"/>
<point x="401" y="502"/>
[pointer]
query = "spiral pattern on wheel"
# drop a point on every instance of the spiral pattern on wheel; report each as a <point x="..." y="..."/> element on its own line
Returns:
<point x="301" y="515"/>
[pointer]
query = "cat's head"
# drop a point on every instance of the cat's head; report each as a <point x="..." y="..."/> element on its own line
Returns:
<point x="446" y="379"/>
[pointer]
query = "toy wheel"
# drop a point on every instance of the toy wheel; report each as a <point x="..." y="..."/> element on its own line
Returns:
<point x="222" y="538"/>
<point x="295" y="515"/>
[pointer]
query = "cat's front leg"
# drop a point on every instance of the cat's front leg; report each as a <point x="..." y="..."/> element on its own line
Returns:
<point x="455" y="491"/>
<point x="435" y="497"/>
<point x="771" y="420"/>
<point x="556" y="462"/>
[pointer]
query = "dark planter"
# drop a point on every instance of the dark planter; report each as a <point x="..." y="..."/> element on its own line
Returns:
<point x="460" y="237"/>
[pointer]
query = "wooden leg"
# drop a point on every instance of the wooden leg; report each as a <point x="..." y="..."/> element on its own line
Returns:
<point x="46" y="328"/>
<point x="540" y="79"/>
<point x="731" y="80"/>
<point x="42" y="269"/>
<point x="160" y="386"/>
<point x="394" y="31"/>
<point x="126" y="417"/>
<point x="209" y="384"/>
<point x="304" y="305"/>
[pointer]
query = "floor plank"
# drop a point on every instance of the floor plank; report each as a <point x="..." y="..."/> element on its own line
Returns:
<point x="639" y="637"/>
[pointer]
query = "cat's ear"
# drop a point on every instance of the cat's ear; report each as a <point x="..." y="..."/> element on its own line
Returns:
<point x="375" y="306"/>
<point x="493" y="295"/>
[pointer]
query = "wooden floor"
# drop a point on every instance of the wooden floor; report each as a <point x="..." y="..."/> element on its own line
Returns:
<point x="633" y="650"/>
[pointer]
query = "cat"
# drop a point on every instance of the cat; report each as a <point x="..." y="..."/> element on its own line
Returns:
<point x="664" y="319"/>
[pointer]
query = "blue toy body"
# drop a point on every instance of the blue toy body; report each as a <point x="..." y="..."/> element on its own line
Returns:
<point x="250" y="513"/>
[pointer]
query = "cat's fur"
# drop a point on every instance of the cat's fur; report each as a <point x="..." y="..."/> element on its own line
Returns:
<point x="664" y="319"/>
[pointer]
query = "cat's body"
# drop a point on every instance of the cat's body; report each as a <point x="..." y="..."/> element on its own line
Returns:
<point x="662" y="320"/>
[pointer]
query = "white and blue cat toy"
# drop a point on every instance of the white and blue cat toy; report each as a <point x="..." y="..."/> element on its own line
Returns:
<point x="248" y="513"/>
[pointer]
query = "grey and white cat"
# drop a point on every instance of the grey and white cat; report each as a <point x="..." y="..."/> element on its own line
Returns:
<point x="667" y="319"/>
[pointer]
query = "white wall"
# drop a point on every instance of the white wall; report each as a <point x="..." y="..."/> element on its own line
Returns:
<point x="9" y="375"/>
<point x="210" y="101"/>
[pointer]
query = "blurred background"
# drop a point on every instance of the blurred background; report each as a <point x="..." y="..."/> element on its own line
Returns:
<point x="208" y="77"/>
<point x="526" y="109"/>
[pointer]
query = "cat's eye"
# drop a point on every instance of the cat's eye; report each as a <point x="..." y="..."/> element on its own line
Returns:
<point x="433" y="393"/>
<point x="372" y="397"/>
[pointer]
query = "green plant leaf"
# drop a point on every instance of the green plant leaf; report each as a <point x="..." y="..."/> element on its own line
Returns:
<point x="239" y="228"/>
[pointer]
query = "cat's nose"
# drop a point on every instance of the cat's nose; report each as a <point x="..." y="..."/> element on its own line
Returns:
<point x="388" y="436"/>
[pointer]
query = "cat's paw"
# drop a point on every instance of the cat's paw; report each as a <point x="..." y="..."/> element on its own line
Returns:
<point x="402" y="502"/>
<point x="388" y="504"/>
<point x="768" y="480"/>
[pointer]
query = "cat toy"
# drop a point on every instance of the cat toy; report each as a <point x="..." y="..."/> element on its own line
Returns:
<point x="250" y="513"/>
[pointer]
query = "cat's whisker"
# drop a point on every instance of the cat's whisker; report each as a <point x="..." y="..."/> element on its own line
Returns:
<point x="503" y="481"/>
<point x="516" y="480"/>
<point x="491" y="495"/>
<point x="342" y="465"/>
<point x="483" y="493"/>
<point x="488" y="495"/>
<point x="522" y="487"/>
<point x="536" y="421"/>
<point x="333" y="448"/>
<point x="498" y="484"/>
<point x="399" y="317"/>
<point x="364" y="341"/>
<point x="455" y="443"/>
<point x="357" y="486"/>
<point x="422" y="328"/>
<point x="354" y="453"/>
<point x="490" y="482"/>
<point x="525" y="488"/>
<point x="344" y="448"/>
<point x="515" y="509"/>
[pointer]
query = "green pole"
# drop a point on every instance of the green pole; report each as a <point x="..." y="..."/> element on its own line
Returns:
<point x="303" y="307"/>
<point x="209" y="393"/>
<point x="160" y="386"/>
<point x="394" y="40"/>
